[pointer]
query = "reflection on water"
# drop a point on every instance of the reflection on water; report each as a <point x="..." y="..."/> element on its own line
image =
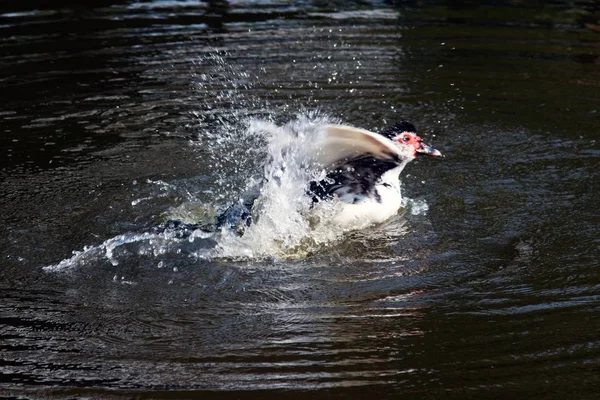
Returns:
<point x="118" y="116"/>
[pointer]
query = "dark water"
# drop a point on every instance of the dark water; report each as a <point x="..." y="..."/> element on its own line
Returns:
<point x="487" y="287"/>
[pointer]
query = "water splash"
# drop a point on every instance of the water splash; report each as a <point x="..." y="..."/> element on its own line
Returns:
<point x="231" y="152"/>
<point x="285" y="223"/>
<point x="244" y="144"/>
<point x="147" y="244"/>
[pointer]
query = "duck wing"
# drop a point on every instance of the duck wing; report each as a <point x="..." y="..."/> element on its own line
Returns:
<point x="351" y="180"/>
<point x="343" y="143"/>
<point x="356" y="159"/>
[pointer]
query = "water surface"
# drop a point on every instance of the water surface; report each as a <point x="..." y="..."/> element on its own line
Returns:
<point x="117" y="117"/>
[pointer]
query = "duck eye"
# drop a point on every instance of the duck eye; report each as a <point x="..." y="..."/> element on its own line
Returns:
<point x="406" y="138"/>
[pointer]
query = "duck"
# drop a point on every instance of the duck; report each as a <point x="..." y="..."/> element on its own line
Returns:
<point x="364" y="171"/>
<point x="361" y="175"/>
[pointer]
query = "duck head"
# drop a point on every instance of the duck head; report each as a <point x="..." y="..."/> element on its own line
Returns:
<point x="404" y="134"/>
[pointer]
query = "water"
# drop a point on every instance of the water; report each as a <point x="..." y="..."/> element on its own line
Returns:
<point x="118" y="117"/>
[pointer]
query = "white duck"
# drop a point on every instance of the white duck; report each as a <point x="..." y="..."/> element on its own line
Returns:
<point x="362" y="174"/>
<point x="364" y="169"/>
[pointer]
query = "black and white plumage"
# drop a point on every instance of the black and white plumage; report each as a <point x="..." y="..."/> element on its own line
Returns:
<point x="362" y="173"/>
<point x="352" y="180"/>
<point x="364" y="169"/>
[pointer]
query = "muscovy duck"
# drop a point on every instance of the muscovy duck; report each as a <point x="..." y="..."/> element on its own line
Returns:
<point x="362" y="173"/>
<point x="364" y="170"/>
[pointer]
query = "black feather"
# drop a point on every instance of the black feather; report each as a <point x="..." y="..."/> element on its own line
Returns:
<point x="358" y="176"/>
<point x="396" y="129"/>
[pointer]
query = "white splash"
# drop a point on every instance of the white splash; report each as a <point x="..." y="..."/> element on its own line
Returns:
<point x="116" y="248"/>
<point x="285" y="225"/>
<point x="415" y="206"/>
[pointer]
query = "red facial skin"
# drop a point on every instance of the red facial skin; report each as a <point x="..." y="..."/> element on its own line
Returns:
<point x="410" y="139"/>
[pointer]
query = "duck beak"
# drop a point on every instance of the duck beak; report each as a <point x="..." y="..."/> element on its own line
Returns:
<point x="428" y="150"/>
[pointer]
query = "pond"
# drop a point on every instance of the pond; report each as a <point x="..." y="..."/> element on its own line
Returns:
<point x="118" y="117"/>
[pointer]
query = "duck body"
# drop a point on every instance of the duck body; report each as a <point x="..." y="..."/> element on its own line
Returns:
<point x="379" y="204"/>
<point x="364" y="170"/>
<point x="367" y="189"/>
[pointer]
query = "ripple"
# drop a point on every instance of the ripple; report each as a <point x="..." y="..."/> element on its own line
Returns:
<point x="116" y="118"/>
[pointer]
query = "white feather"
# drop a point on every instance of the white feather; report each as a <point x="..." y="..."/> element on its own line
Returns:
<point x="344" y="142"/>
<point x="368" y="210"/>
